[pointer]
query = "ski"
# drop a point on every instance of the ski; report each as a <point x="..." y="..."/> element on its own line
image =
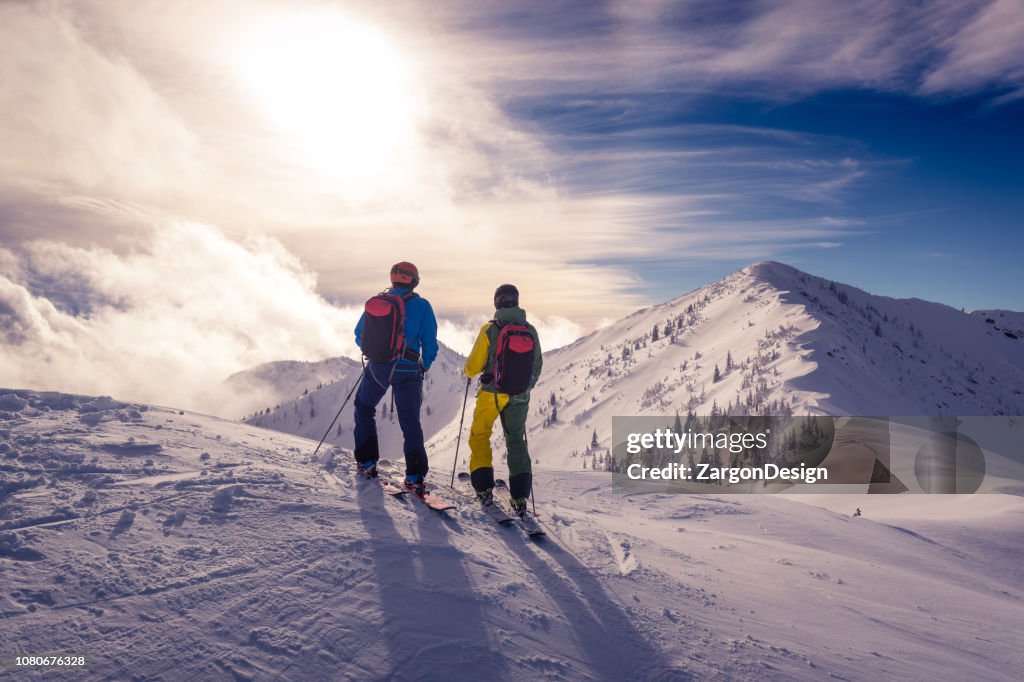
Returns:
<point x="433" y="501"/>
<point x="496" y="513"/>
<point x="529" y="524"/>
<point x="389" y="487"/>
<point x="398" y="490"/>
<point x="526" y="520"/>
<point x="393" y="489"/>
<point x="494" y="510"/>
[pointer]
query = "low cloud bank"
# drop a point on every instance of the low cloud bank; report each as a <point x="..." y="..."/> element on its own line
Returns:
<point x="179" y="311"/>
<point x="165" y="322"/>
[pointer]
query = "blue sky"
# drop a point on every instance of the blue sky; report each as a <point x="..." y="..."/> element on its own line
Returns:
<point x="936" y="212"/>
<point x="873" y="143"/>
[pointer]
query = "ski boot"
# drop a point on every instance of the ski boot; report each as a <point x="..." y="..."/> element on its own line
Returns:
<point x="368" y="468"/>
<point x="414" y="484"/>
<point x="519" y="505"/>
<point x="485" y="497"/>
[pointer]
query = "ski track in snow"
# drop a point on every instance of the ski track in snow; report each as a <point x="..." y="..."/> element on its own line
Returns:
<point x="250" y="562"/>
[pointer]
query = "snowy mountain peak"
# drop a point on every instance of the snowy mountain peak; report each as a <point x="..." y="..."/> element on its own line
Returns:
<point x="772" y="272"/>
<point x="768" y="339"/>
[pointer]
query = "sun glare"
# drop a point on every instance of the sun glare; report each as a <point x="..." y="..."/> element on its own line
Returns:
<point x="343" y="94"/>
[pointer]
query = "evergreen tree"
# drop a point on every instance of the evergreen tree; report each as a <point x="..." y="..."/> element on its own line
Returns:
<point x="718" y="375"/>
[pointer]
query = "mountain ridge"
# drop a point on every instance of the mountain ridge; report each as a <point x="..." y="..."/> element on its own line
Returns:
<point x="782" y="340"/>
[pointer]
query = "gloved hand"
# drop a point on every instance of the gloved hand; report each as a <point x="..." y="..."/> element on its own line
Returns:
<point x="487" y="378"/>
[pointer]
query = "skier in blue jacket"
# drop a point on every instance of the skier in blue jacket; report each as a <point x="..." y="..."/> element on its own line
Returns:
<point x="404" y="376"/>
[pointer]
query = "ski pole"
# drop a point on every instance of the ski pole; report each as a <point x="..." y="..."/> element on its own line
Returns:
<point x="358" y="381"/>
<point x="458" y="440"/>
<point x="533" y="499"/>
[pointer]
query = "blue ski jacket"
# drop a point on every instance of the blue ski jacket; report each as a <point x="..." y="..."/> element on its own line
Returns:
<point x="420" y="330"/>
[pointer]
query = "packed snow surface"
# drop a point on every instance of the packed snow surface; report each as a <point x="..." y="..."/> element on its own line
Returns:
<point x="169" y="545"/>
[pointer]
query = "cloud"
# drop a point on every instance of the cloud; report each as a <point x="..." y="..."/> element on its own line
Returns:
<point x="168" y="320"/>
<point x="777" y="49"/>
<point x="987" y="51"/>
<point x="72" y="116"/>
<point x="165" y="322"/>
<point x="108" y="125"/>
<point x="554" y="331"/>
<point x="719" y="192"/>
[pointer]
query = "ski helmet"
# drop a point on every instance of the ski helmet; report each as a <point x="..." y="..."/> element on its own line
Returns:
<point x="506" y="296"/>
<point x="405" y="274"/>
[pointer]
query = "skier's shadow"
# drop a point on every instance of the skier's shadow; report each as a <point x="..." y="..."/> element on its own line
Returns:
<point x="433" y="625"/>
<point x="607" y="637"/>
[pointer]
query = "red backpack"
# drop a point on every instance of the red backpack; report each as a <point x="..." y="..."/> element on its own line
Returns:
<point x="383" y="337"/>
<point x="513" y="359"/>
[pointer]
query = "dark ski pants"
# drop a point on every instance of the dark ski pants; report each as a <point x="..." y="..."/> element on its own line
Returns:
<point x="511" y="413"/>
<point x="407" y="386"/>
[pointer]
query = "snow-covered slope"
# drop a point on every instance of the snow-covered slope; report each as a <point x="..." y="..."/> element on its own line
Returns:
<point x="1006" y="322"/>
<point x="310" y="414"/>
<point x="265" y="387"/>
<point x="781" y="340"/>
<point x="165" y="545"/>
